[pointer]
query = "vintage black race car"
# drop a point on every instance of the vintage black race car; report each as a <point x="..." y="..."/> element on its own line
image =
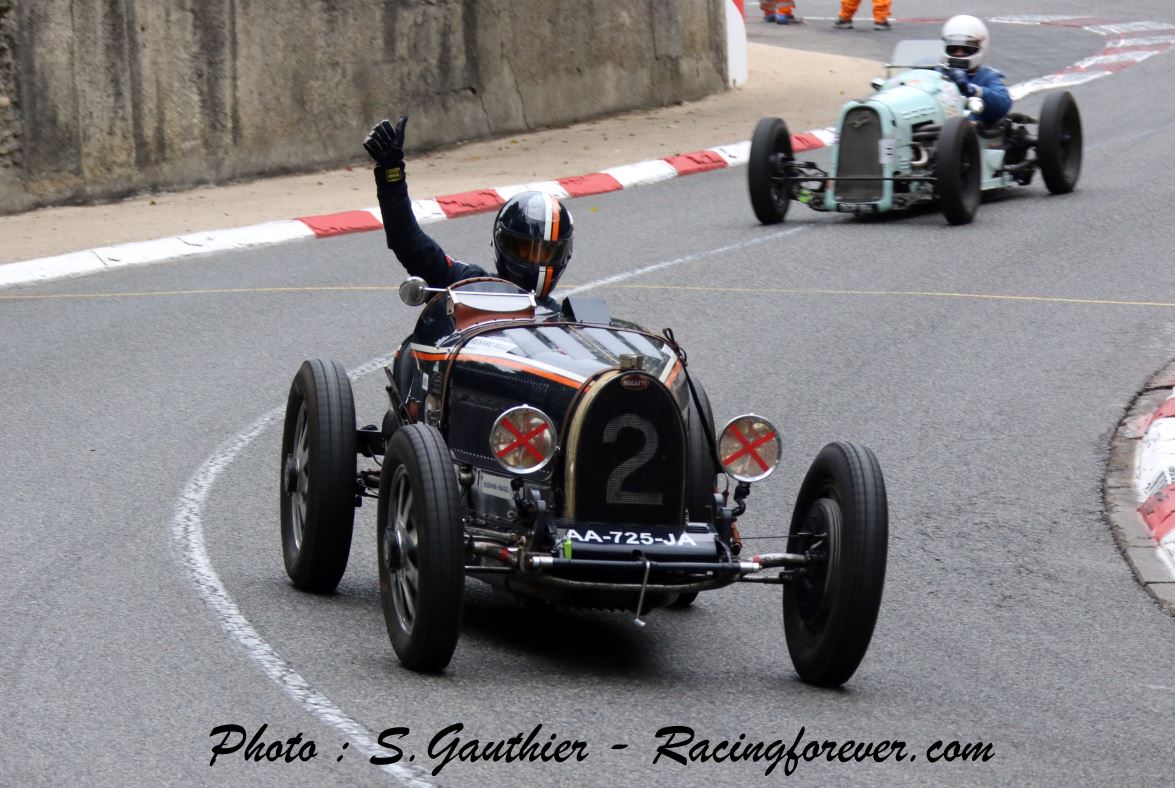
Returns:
<point x="567" y="457"/>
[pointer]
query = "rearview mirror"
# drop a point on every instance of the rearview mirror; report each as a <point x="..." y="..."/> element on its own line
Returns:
<point x="877" y="84"/>
<point x="413" y="291"/>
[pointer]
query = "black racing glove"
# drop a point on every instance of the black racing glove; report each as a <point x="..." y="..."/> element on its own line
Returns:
<point x="959" y="77"/>
<point x="385" y="143"/>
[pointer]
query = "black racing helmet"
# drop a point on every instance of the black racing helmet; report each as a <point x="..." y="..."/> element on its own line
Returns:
<point x="532" y="241"/>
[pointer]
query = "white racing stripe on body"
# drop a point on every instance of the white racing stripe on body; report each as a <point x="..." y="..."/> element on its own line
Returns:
<point x="188" y="533"/>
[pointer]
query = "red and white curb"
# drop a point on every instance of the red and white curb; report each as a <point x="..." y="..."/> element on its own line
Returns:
<point x="1154" y="478"/>
<point x="1127" y="43"/>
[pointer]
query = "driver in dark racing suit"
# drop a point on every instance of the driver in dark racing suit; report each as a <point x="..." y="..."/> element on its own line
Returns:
<point x="532" y="236"/>
<point x="532" y="231"/>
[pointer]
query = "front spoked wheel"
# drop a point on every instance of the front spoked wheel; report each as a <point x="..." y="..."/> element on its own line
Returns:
<point x="317" y="480"/>
<point x="841" y="522"/>
<point x="419" y="540"/>
<point x="769" y="170"/>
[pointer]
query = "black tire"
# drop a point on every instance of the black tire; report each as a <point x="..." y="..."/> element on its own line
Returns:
<point x="830" y="609"/>
<point x="419" y="520"/>
<point x="391" y="423"/>
<point x="317" y="484"/>
<point x="684" y="600"/>
<point x="958" y="170"/>
<point x="701" y="470"/>
<point x="1059" y="143"/>
<point x="770" y="161"/>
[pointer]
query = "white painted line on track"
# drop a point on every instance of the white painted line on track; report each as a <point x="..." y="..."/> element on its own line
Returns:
<point x="1136" y="56"/>
<point x="1128" y="27"/>
<point x="1149" y="41"/>
<point x="1053" y="81"/>
<point x="1033" y="19"/>
<point x="187" y="531"/>
<point x="648" y="269"/>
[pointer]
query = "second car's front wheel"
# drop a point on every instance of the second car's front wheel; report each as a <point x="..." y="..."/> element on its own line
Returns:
<point x="768" y="169"/>
<point x="419" y="541"/>
<point x="958" y="171"/>
<point x="841" y="522"/>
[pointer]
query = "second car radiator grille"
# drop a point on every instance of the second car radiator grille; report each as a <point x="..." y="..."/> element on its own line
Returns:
<point x="858" y="156"/>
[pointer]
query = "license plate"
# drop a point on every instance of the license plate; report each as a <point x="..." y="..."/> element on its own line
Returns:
<point x="599" y="536"/>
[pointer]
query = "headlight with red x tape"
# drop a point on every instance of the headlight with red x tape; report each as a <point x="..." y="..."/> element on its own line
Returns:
<point x="749" y="448"/>
<point x="523" y="439"/>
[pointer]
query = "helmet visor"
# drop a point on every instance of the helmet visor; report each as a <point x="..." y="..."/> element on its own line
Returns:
<point x="961" y="50"/>
<point x="534" y="250"/>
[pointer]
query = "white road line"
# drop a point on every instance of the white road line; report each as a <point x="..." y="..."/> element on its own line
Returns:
<point x="1149" y="41"/>
<point x="648" y="269"/>
<point x="1053" y="81"/>
<point x="1105" y="58"/>
<point x="187" y="531"/>
<point x="1128" y="27"/>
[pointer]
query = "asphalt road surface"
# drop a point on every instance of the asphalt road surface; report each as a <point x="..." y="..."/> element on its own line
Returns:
<point x="986" y="365"/>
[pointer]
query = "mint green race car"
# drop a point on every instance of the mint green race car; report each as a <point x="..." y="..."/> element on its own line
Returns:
<point x="914" y="141"/>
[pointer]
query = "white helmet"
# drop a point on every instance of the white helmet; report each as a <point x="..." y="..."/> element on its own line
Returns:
<point x="964" y="40"/>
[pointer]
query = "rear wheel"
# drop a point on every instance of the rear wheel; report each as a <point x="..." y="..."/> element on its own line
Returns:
<point x="1059" y="143"/>
<point x="769" y="166"/>
<point x="318" y="476"/>
<point x="841" y="520"/>
<point x="419" y="540"/>
<point x="958" y="170"/>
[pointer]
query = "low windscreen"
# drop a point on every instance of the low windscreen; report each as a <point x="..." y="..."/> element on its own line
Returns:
<point x="494" y="302"/>
<point x="917" y="53"/>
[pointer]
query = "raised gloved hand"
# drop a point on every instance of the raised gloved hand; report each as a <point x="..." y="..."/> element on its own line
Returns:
<point x="959" y="77"/>
<point x="385" y="143"/>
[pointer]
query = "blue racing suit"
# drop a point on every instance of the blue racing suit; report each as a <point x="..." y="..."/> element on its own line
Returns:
<point x="989" y="85"/>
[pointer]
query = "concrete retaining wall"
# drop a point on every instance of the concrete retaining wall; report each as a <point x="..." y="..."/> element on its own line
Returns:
<point x="103" y="98"/>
